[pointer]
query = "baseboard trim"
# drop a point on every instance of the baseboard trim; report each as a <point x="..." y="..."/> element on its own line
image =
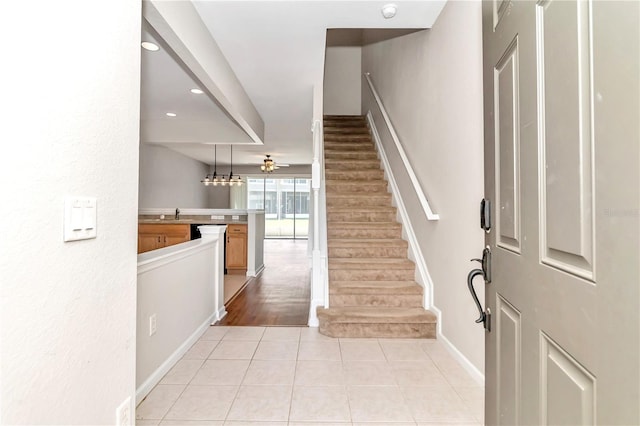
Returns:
<point x="464" y="362"/>
<point x="313" y="316"/>
<point x="220" y="313"/>
<point x="143" y="390"/>
<point x="256" y="272"/>
<point x="415" y="253"/>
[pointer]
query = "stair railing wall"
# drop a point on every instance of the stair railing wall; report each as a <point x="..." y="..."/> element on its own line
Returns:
<point x="405" y="160"/>
<point x="415" y="252"/>
<point x="319" y="266"/>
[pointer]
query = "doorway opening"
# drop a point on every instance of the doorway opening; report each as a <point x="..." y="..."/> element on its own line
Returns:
<point x="286" y="205"/>
<point x="279" y="296"/>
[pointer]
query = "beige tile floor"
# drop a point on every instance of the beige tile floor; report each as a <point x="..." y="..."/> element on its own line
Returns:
<point x="290" y="376"/>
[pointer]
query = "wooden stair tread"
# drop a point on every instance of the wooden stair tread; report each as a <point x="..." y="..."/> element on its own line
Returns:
<point x="376" y="315"/>
<point x="337" y="146"/>
<point x="347" y="131"/>
<point x="356" y="163"/>
<point x="371" y="263"/>
<point x="337" y="139"/>
<point x="366" y="242"/>
<point x="367" y="198"/>
<point x="342" y="117"/>
<point x="343" y="145"/>
<point x="332" y="209"/>
<point x="350" y="194"/>
<point x="349" y="146"/>
<point x="367" y="225"/>
<point x="353" y="173"/>
<point x="367" y="161"/>
<point x="375" y="287"/>
<point x="342" y="152"/>
<point x="356" y="182"/>
<point x="347" y="122"/>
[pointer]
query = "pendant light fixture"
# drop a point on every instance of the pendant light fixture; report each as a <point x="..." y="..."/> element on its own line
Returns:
<point x="213" y="179"/>
<point x="233" y="180"/>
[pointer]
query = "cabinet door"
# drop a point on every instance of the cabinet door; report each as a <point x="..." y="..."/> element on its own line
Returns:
<point x="237" y="251"/>
<point x="148" y="242"/>
<point x="153" y="236"/>
<point x="176" y="234"/>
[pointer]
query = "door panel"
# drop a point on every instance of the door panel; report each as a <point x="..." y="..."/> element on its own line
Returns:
<point x="567" y="390"/>
<point x="566" y="145"/>
<point x="508" y="334"/>
<point x="507" y="125"/>
<point x="499" y="9"/>
<point x="562" y="161"/>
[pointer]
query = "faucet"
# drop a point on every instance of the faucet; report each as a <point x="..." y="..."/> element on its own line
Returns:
<point x="177" y="213"/>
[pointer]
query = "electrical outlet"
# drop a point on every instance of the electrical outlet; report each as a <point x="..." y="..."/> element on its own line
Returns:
<point x="123" y="413"/>
<point x="152" y="325"/>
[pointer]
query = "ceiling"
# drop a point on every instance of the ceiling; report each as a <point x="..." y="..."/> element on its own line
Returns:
<point x="276" y="50"/>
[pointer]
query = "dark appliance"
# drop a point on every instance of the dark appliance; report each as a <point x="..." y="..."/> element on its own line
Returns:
<point x="195" y="234"/>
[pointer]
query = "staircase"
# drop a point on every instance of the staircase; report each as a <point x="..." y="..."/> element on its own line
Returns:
<point x="372" y="292"/>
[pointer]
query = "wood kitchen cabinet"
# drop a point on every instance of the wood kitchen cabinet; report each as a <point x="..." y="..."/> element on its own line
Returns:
<point x="153" y="236"/>
<point x="236" y="249"/>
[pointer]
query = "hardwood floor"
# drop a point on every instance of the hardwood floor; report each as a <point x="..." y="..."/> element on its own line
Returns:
<point x="280" y="295"/>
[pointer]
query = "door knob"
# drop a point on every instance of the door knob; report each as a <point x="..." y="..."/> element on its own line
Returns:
<point x="474" y="273"/>
<point x="486" y="264"/>
<point x="485" y="272"/>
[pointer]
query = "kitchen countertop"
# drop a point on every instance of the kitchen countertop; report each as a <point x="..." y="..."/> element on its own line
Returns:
<point x="192" y="220"/>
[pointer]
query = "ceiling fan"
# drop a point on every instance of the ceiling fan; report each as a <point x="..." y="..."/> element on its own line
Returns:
<point x="269" y="165"/>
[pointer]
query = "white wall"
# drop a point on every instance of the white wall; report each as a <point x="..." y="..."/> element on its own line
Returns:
<point x="218" y="197"/>
<point x="342" y="86"/>
<point x="431" y="85"/>
<point x="255" y="242"/>
<point x="179" y="285"/>
<point x="170" y="179"/>
<point x="71" y="113"/>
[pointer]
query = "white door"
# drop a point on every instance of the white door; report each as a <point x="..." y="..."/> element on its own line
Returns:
<point x="562" y="154"/>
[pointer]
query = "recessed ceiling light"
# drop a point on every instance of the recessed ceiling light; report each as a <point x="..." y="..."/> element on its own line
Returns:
<point x="197" y="91"/>
<point x="389" y="10"/>
<point x="149" y="46"/>
<point x="171" y="114"/>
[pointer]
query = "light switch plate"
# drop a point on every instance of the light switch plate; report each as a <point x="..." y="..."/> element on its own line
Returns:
<point x="80" y="218"/>
<point x="217" y="217"/>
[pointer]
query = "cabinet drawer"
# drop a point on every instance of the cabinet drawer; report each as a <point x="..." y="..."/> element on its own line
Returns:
<point x="237" y="229"/>
<point x="165" y="229"/>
